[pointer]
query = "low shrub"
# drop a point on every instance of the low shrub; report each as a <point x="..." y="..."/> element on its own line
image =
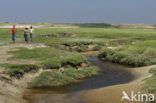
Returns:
<point x="118" y="56"/>
<point x="105" y="52"/>
<point x="135" y="60"/>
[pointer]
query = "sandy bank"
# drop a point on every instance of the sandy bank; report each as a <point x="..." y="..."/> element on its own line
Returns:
<point x="113" y="94"/>
<point x="10" y="93"/>
<point x="13" y="92"/>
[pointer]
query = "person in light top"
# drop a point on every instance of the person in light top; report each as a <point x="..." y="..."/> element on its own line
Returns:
<point x="31" y="33"/>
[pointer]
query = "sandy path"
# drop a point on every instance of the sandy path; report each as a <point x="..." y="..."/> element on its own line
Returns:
<point x="113" y="94"/>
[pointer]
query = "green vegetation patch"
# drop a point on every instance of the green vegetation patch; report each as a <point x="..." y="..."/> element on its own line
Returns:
<point x="55" y="78"/>
<point x="50" y="57"/>
<point x="151" y="82"/>
<point x="131" y="55"/>
<point x="12" y="67"/>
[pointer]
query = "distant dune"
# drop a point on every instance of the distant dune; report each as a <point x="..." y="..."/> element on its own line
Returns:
<point x="36" y="25"/>
<point x="78" y="25"/>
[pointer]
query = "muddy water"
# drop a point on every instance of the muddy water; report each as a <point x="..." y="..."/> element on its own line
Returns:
<point x="110" y="74"/>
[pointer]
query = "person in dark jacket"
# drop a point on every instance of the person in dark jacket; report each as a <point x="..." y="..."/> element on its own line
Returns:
<point x="26" y="33"/>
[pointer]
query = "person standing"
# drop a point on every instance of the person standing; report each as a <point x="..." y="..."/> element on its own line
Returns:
<point x="26" y="33"/>
<point x="13" y="32"/>
<point x="31" y="33"/>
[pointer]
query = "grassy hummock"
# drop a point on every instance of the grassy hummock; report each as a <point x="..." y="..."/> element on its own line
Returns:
<point x="55" y="78"/>
<point x="49" y="57"/>
<point x="76" y="66"/>
<point x="141" y="53"/>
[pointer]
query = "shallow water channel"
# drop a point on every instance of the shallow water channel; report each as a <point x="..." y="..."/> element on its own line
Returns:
<point x="110" y="74"/>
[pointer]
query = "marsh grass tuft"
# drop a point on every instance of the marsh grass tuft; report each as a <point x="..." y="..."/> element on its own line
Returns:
<point x="55" y="78"/>
<point x="12" y="67"/>
<point x="139" y="54"/>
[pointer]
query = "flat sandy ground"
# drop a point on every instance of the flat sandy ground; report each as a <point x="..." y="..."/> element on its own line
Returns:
<point x="113" y="94"/>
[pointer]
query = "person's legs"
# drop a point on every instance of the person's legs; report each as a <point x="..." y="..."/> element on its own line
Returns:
<point x="13" y="37"/>
<point x="26" y="38"/>
<point x="31" y="37"/>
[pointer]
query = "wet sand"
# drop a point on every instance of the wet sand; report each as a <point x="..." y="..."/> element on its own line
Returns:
<point x="113" y="94"/>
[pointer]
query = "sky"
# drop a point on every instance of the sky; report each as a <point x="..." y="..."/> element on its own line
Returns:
<point x="79" y="11"/>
